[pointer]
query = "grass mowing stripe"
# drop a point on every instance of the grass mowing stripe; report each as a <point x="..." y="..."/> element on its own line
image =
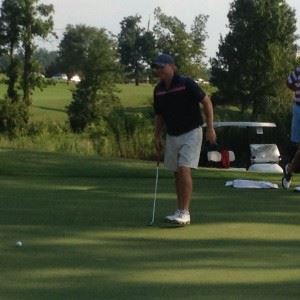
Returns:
<point x="83" y="226"/>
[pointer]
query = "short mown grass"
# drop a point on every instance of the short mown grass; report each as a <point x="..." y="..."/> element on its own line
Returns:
<point x="83" y="225"/>
<point x="51" y="102"/>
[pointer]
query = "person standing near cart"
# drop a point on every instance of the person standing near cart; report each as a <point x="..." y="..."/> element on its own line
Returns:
<point x="177" y="110"/>
<point x="293" y="83"/>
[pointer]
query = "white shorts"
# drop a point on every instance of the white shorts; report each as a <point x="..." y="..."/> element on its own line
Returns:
<point x="183" y="150"/>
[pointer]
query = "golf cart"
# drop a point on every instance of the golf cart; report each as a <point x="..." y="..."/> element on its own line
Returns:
<point x="248" y="145"/>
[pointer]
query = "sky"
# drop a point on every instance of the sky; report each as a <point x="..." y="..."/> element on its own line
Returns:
<point x="109" y="13"/>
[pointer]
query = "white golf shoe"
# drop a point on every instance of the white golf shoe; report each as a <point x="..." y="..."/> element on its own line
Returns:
<point x="179" y="217"/>
<point x="171" y="218"/>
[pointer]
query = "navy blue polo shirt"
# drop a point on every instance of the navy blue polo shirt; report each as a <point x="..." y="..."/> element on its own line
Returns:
<point x="179" y="105"/>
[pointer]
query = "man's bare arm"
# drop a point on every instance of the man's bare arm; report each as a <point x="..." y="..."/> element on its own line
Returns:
<point x="209" y="116"/>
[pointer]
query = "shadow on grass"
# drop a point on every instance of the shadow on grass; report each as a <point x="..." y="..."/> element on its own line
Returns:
<point x="49" y="108"/>
<point x="92" y="265"/>
<point x="281" y="290"/>
<point x="127" y="202"/>
<point x="82" y="221"/>
<point x="147" y="111"/>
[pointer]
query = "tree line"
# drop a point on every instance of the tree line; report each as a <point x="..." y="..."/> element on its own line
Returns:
<point x="99" y="57"/>
<point x="249" y="70"/>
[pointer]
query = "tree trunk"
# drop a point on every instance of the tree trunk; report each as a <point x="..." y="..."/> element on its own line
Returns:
<point x="136" y="75"/>
<point x="12" y="76"/>
<point x="28" y="52"/>
<point x="256" y="108"/>
<point x="27" y="73"/>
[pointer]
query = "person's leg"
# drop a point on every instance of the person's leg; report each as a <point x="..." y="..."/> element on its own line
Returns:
<point x="179" y="210"/>
<point x="184" y="186"/>
<point x="289" y="169"/>
<point x="188" y="154"/>
<point x="177" y="189"/>
<point x="176" y="214"/>
<point x="294" y="165"/>
<point x="171" y="163"/>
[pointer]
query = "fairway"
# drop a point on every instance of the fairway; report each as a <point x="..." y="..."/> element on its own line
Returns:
<point x="50" y="103"/>
<point x="83" y="225"/>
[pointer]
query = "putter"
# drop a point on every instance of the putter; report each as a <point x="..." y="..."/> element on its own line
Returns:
<point x="155" y="196"/>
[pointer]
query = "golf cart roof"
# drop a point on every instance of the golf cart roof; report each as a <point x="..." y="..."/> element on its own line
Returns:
<point x="244" y="124"/>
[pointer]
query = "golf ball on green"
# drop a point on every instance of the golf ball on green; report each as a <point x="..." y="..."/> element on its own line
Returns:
<point x="19" y="244"/>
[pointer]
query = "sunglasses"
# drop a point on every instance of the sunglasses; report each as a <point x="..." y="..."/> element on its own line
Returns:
<point x="158" y="67"/>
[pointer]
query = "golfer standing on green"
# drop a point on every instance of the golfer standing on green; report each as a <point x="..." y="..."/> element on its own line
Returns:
<point x="177" y="110"/>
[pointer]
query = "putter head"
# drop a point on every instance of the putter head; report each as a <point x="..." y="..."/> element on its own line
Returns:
<point x="151" y="223"/>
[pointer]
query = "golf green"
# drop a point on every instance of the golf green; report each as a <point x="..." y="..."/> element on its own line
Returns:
<point x="82" y="221"/>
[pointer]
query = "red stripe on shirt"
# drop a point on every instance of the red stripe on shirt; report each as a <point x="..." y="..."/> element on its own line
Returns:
<point x="177" y="89"/>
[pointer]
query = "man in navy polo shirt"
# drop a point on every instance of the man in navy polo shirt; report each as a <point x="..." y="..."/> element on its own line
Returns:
<point x="177" y="109"/>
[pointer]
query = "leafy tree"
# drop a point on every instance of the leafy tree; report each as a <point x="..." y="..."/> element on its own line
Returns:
<point x="10" y="34"/>
<point x="45" y="58"/>
<point x="95" y="96"/>
<point x="21" y="21"/>
<point x="53" y="69"/>
<point x="187" y="47"/>
<point x="136" y="46"/>
<point x="199" y="35"/>
<point x="74" y="47"/>
<point x="256" y="55"/>
<point x="4" y="63"/>
<point x="13" y="116"/>
<point x="36" y="21"/>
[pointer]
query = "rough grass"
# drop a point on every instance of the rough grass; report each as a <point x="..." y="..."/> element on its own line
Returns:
<point x="83" y="225"/>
